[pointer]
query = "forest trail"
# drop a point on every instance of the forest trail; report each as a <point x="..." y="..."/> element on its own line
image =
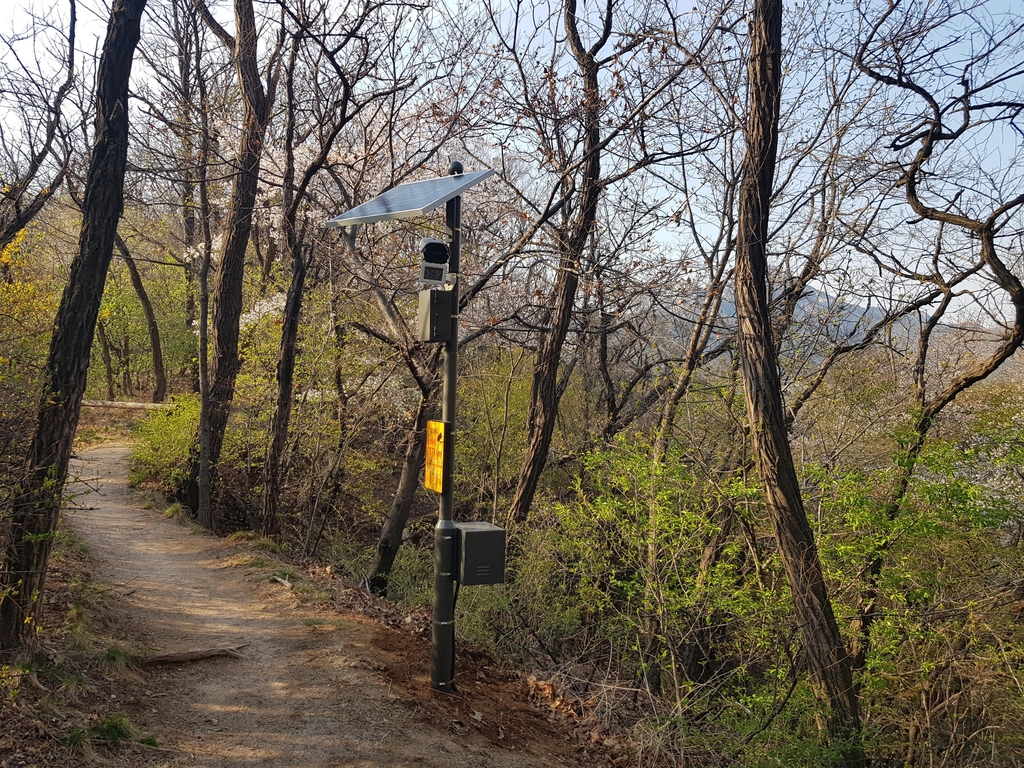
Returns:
<point x="312" y="688"/>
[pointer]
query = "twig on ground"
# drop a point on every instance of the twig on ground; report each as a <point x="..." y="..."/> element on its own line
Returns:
<point x="183" y="657"/>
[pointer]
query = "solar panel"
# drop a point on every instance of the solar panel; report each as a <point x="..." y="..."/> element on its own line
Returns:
<point x="411" y="200"/>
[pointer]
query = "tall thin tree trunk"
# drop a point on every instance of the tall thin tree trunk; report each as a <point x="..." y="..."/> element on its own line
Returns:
<point x="37" y="499"/>
<point x="285" y="384"/>
<point x="390" y="540"/>
<point x="290" y="321"/>
<point x="204" y="513"/>
<point x="203" y="509"/>
<point x="227" y="292"/>
<point x="160" y="378"/>
<point x="824" y="649"/>
<point x="108" y="364"/>
<point x="545" y="393"/>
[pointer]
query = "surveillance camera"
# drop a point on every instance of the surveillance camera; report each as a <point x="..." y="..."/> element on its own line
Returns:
<point x="434" y="251"/>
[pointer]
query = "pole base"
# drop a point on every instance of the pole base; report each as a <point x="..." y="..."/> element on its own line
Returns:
<point x="448" y="688"/>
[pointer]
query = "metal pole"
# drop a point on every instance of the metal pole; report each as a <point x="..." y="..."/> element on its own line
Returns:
<point x="442" y="672"/>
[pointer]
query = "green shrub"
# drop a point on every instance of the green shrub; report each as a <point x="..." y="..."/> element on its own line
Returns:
<point x="163" y="441"/>
<point x="412" y="578"/>
<point x="348" y="559"/>
<point x="116" y="728"/>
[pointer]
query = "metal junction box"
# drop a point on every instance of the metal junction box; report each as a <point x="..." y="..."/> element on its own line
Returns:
<point x="480" y="554"/>
<point x="436" y="311"/>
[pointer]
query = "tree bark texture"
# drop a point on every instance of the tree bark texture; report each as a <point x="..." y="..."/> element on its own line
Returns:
<point x="544" y="393"/>
<point x="825" y="652"/>
<point x="37" y="499"/>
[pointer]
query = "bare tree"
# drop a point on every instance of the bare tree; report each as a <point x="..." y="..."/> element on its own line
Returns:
<point x="188" y="84"/>
<point x="258" y="92"/>
<point x="590" y="57"/>
<point x="949" y="95"/>
<point x="825" y="650"/>
<point x="349" y="54"/>
<point x="34" y="153"/>
<point x="572" y="238"/>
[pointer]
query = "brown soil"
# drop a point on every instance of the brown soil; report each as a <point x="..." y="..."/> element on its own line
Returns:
<point x="315" y="684"/>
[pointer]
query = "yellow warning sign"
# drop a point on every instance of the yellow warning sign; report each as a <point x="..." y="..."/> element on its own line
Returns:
<point x="433" y="472"/>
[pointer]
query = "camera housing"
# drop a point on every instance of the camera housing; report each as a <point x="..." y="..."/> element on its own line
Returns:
<point x="434" y="267"/>
<point x="433" y="250"/>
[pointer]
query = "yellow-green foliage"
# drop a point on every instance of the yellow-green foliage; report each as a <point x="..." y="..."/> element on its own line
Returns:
<point x="612" y="583"/>
<point x="494" y="395"/>
<point x="161" y="451"/>
<point x="125" y="323"/>
<point x="28" y="302"/>
<point x="623" y="560"/>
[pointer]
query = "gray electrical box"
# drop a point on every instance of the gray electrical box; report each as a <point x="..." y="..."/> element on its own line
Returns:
<point x="480" y="554"/>
<point x="436" y="311"/>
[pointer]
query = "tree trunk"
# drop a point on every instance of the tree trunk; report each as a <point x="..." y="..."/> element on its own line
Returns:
<point x="227" y="291"/>
<point x="824" y="649"/>
<point x="126" y="366"/>
<point x="203" y="510"/>
<point x="202" y="465"/>
<point x="160" y="387"/>
<point x="37" y="499"/>
<point x="545" y="394"/>
<point x="391" y="536"/>
<point x="108" y="364"/>
<point x="285" y="383"/>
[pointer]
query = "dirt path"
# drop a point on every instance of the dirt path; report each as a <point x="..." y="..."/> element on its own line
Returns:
<point x="312" y="688"/>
